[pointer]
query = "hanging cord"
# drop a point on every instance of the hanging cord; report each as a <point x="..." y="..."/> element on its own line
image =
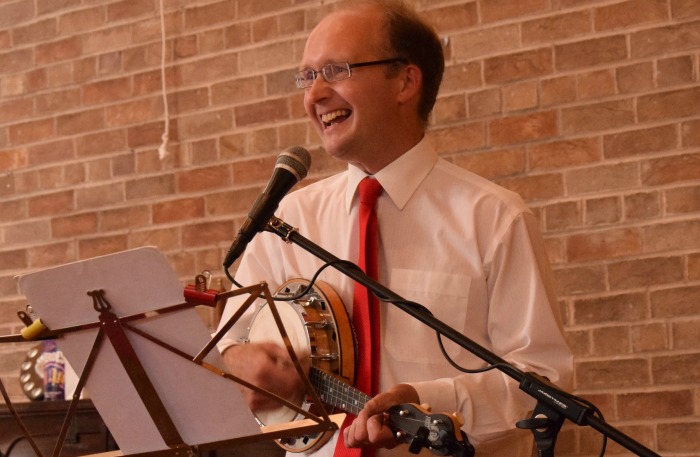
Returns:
<point x="163" y="148"/>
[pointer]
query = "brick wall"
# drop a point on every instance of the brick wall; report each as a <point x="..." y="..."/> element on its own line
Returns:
<point x="590" y="109"/>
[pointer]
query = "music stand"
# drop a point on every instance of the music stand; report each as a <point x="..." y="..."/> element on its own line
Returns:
<point x="126" y="331"/>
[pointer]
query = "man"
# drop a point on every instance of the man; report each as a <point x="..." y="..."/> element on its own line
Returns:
<point x="461" y="246"/>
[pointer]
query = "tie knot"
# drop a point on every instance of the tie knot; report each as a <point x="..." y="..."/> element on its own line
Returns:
<point x="370" y="189"/>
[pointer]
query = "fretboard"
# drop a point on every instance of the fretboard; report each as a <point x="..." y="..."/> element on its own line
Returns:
<point x="334" y="392"/>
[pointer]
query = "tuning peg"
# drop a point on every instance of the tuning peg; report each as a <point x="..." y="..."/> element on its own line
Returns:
<point x="459" y="417"/>
<point x="426" y="406"/>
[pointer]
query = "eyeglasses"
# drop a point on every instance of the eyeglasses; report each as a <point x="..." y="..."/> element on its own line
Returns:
<point x="336" y="71"/>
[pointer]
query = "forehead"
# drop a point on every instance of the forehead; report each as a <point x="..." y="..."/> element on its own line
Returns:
<point x="345" y="36"/>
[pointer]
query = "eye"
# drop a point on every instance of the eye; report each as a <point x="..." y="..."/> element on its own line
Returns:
<point x="305" y="78"/>
<point x="339" y="71"/>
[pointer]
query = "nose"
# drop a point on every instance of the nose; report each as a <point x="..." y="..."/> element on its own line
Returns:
<point x="318" y="91"/>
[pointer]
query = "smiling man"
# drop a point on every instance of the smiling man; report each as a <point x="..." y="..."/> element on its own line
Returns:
<point x="461" y="246"/>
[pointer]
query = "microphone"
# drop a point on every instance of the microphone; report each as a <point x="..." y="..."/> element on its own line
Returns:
<point x="290" y="168"/>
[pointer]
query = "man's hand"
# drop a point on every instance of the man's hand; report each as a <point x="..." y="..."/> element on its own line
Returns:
<point x="264" y="365"/>
<point x="369" y="428"/>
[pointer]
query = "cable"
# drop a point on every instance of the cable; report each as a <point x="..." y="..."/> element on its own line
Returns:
<point x="163" y="148"/>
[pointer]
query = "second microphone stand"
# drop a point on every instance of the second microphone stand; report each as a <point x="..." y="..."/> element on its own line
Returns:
<point x="553" y="405"/>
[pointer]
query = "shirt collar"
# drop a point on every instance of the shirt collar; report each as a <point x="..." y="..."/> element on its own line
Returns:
<point x="401" y="178"/>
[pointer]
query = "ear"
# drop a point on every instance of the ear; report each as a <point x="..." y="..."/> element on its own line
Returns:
<point x="411" y="80"/>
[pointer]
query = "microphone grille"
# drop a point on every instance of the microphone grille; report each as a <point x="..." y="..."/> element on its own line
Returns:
<point x="297" y="160"/>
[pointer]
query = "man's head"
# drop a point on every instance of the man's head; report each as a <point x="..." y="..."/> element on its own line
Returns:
<point x="369" y="114"/>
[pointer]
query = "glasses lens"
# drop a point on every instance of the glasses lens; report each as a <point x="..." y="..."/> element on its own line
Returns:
<point x="336" y="71"/>
<point x="304" y="78"/>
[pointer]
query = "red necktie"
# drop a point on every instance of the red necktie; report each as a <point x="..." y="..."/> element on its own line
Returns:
<point x="365" y="309"/>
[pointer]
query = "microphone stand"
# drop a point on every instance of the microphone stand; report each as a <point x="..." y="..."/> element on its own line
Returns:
<point x="553" y="405"/>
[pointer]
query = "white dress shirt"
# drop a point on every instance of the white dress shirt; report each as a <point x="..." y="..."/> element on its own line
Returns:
<point x="465" y="248"/>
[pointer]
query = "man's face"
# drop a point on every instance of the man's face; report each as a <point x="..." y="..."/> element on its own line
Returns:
<point x="355" y="117"/>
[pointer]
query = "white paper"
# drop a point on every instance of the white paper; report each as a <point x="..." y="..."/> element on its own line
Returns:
<point x="203" y="406"/>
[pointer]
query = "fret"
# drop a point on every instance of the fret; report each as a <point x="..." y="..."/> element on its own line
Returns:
<point x="336" y="393"/>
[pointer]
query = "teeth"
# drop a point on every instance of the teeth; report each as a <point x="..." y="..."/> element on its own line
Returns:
<point x="330" y="117"/>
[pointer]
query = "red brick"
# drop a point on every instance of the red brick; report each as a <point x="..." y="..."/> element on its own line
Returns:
<point x="485" y="42"/>
<point x="676" y="369"/>
<point x="638" y="273"/>
<point x="558" y="91"/>
<point x="497" y="10"/>
<point x="50" y="255"/>
<point x="462" y="77"/>
<point x="667" y="170"/>
<point x="231" y="202"/>
<point x="201" y="124"/>
<point x="535" y="187"/>
<point x="629" y="13"/>
<point x="80" y="122"/>
<point x="669" y="105"/>
<point x="203" y="178"/>
<point x="690" y="132"/>
<point x="14" y="260"/>
<point x="559" y="27"/>
<point x="652" y="405"/>
<point x="13" y="210"/>
<point x="127" y="9"/>
<point x="601" y="178"/>
<point x="51" y="204"/>
<point x="58" y="101"/>
<point x="32" y="131"/>
<point x="580" y="280"/>
<point x="234" y="36"/>
<point x="206" y="233"/>
<point x="105" y="40"/>
<point x="99" y="196"/>
<point x="649" y="337"/>
<point x="133" y="112"/>
<point x="94" y="247"/>
<point x="251" y="8"/>
<point x="608" y="244"/>
<point x="205" y="16"/>
<point x="485" y="103"/>
<point x="13" y="159"/>
<point x="494" y="164"/>
<point x="146" y="134"/>
<point x="518" y="66"/>
<point x="106" y="91"/>
<point x="684" y="8"/>
<point x="603" y="211"/>
<point x="638" y="142"/>
<point x="50" y="6"/>
<point x="673" y="437"/>
<point x="638" y="77"/>
<point x="459" y="137"/>
<point x="66" y="49"/>
<point x="124" y="218"/>
<point x="242" y="90"/>
<point x="596" y="84"/>
<point x="642" y="206"/>
<point x="13" y="13"/>
<point x="598" y="116"/>
<point x="268" y="57"/>
<point x="35" y="32"/>
<point x="562" y="216"/>
<point x="262" y="141"/>
<point x="84" y="20"/>
<point x="562" y="154"/>
<point x="520" y="96"/>
<point x="449" y="109"/>
<point x="610" y="341"/>
<point x="665" y="40"/>
<point x="452" y="17"/>
<point x="622" y="373"/>
<point x="16" y="60"/>
<point x="100" y="143"/>
<point x="686" y="334"/>
<point x="178" y="210"/>
<point x="675" y="71"/>
<point x="675" y="303"/>
<point x="150" y="186"/>
<point x="694" y="266"/>
<point x="525" y="128"/>
<point x="593" y="52"/>
<point x="34" y="232"/>
<point x="682" y="200"/>
<point x="73" y="226"/>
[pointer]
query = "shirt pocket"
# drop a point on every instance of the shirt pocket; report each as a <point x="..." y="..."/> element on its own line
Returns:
<point x="445" y="295"/>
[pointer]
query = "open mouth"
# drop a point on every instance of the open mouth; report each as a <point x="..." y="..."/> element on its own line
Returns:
<point x="335" y="117"/>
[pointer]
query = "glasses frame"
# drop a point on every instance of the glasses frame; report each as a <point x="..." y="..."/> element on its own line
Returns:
<point x="303" y="83"/>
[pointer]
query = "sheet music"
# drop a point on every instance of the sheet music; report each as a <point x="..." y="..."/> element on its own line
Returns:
<point x="203" y="406"/>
